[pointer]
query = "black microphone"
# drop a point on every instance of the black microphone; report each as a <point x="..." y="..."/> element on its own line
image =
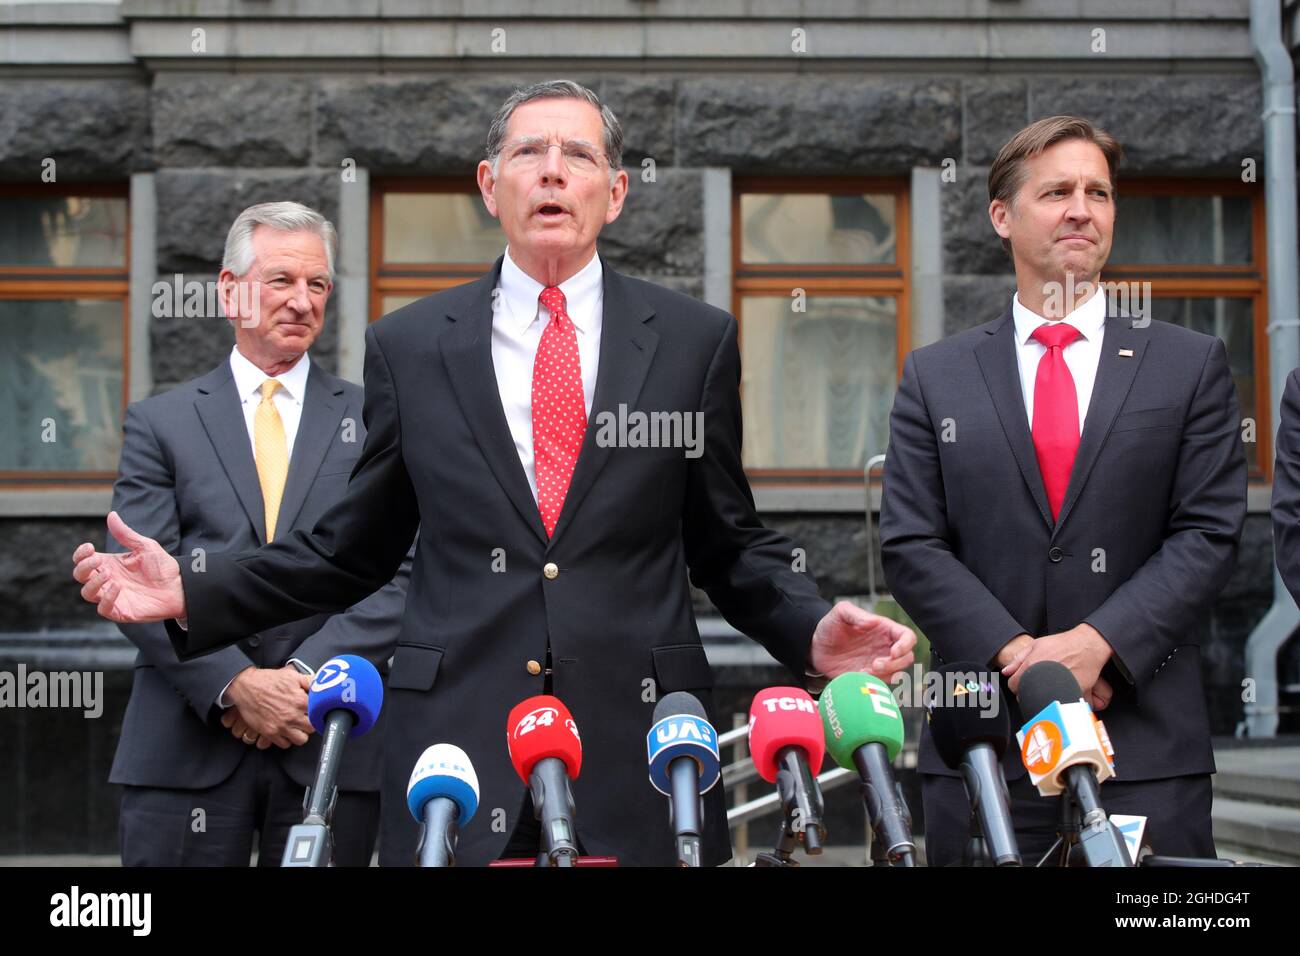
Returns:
<point x="971" y="729"/>
<point x="1078" y="767"/>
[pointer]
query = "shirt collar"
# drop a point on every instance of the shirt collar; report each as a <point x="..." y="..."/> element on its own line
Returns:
<point x="581" y="290"/>
<point x="249" y="378"/>
<point x="1089" y="318"/>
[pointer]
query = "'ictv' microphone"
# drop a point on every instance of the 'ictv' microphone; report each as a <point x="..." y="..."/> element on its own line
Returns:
<point x="864" y="732"/>
<point x="547" y="753"/>
<point x="344" y="701"/>
<point x="1065" y="747"/>
<point x="442" y="795"/>
<point x="971" y="728"/>
<point x="682" y="747"/>
<point x="787" y="744"/>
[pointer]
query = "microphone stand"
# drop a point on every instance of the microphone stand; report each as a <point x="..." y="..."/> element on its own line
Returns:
<point x="800" y="821"/>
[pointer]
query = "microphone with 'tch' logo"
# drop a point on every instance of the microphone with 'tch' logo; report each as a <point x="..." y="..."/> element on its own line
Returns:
<point x="788" y="745"/>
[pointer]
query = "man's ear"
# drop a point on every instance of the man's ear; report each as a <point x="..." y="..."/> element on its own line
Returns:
<point x="228" y="294"/>
<point x="486" y="184"/>
<point x="617" y="194"/>
<point x="999" y="212"/>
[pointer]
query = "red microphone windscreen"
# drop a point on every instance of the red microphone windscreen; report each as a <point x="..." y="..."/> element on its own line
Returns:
<point x="784" y="717"/>
<point x="542" y="727"/>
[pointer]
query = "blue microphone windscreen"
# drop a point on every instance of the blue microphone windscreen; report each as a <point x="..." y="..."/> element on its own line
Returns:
<point x="350" y="683"/>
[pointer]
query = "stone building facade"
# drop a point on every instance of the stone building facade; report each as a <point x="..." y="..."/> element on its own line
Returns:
<point x="192" y="111"/>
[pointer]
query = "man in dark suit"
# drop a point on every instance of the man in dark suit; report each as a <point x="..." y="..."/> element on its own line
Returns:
<point x="1067" y="483"/>
<point x="555" y="556"/>
<point x="1286" y="486"/>
<point x="217" y="747"/>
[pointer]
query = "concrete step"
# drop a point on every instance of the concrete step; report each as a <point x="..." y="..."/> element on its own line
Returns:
<point x="1257" y="828"/>
<point x="1259" y="775"/>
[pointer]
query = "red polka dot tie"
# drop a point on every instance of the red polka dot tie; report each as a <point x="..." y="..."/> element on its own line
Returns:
<point x="559" y="411"/>
<point x="1056" y="413"/>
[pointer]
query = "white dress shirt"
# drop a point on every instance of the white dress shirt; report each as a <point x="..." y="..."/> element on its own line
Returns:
<point x="288" y="397"/>
<point x="518" y="320"/>
<point x="1081" y="356"/>
<point x="288" y="402"/>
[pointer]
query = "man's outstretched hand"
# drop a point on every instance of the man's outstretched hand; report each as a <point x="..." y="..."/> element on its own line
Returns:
<point x="851" y="639"/>
<point x="141" y="585"/>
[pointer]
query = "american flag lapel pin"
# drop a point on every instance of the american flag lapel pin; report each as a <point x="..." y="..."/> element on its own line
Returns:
<point x="1125" y="353"/>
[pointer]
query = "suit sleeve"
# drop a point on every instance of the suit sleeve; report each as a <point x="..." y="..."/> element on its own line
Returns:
<point x="1152" y="612"/>
<point x="355" y="549"/>
<point x="369" y="628"/>
<point x="1286" y="487"/>
<point x="951" y="606"/>
<point x="144" y="495"/>
<point x="747" y="570"/>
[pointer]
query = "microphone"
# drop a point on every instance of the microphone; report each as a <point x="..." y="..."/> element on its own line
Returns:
<point x="682" y="747"/>
<point x="343" y="701"/>
<point x="547" y="753"/>
<point x="1066" y="748"/>
<point x="971" y="737"/>
<point x="442" y="795"/>
<point x="787" y="744"/>
<point x="864" y="732"/>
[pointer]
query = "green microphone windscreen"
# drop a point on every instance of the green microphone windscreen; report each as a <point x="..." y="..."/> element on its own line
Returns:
<point x="859" y="709"/>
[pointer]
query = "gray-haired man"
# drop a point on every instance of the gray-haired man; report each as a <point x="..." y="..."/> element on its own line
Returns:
<point x="216" y="748"/>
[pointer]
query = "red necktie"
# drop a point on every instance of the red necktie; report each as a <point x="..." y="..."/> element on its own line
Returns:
<point x="559" y="410"/>
<point x="1056" y="412"/>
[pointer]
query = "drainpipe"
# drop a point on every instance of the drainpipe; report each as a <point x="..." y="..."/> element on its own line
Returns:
<point x="1277" y="77"/>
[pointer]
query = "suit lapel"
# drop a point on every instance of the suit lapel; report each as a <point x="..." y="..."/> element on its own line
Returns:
<point x="322" y="410"/>
<point x="467" y="357"/>
<point x="627" y="347"/>
<point x="219" y="410"/>
<point x="997" y="358"/>
<point x="1115" y="374"/>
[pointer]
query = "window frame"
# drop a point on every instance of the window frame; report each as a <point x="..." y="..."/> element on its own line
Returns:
<point x="56" y="283"/>
<point x="1237" y="281"/>
<point x="883" y="280"/>
<point x="406" y="278"/>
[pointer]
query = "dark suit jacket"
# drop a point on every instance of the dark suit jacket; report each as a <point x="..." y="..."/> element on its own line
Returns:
<point x="1286" y="486"/>
<point x="187" y="478"/>
<point x="618" y="613"/>
<point x="1146" y="538"/>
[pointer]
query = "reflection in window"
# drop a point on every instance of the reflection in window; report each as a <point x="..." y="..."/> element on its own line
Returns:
<point x="818" y="384"/>
<point x="61" y="369"/>
<point x="439" y="227"/>
<point x="1182" y="230"/>
<point x="64" y="232"/>
<point x="817" y="228"/>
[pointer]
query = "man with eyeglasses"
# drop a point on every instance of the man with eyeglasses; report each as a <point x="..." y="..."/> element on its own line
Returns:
<point x="553" y="559"/>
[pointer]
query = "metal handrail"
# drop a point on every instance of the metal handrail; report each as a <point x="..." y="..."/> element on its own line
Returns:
<point x="771" y="802"/>
<point x="872" y="596"/>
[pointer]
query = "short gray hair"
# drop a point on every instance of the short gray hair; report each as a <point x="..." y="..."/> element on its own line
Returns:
<point x="283" y="216"/>
<point x="556" y="90"/>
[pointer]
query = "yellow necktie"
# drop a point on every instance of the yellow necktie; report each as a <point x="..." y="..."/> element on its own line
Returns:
<point x="271" y="453"/>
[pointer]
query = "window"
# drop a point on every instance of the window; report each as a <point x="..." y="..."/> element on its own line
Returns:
<point x="63" y="334"/>
<point x="1201" y="246"/>
<point x="427" y="235"/>
<point x="820" y="290"/>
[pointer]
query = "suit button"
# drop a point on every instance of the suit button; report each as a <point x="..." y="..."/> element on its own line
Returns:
<point x="254" y="641"/>
<point x="551" y="570"/>
<point x="534" y="668"/>
<point x="1055" y="555"/>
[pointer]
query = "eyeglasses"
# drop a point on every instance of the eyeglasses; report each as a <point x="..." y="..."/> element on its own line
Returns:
<point x="528" y="154"/>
